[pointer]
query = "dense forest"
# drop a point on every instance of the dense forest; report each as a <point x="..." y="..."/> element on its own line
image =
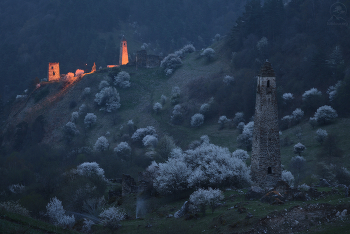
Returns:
<point x="79" y="33"/>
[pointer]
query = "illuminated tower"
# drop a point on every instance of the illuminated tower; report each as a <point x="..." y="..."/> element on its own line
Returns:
<point x="53" y="72"/>
<point x="123" y="55"/>
<point x="266" y="155"/>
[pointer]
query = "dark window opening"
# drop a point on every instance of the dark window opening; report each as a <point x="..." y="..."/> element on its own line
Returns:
<point x="53" y="73"/>
<point x="269" y="139"/>
<point x="124" y="43"/>
<point x="269" y="170"/>
<point x="268" y="83"/>
<point x="51" y="67"/>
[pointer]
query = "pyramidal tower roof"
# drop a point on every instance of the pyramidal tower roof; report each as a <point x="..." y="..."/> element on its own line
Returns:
<point x="267" y="70"/>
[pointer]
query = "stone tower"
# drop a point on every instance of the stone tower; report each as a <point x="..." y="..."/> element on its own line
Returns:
<point x="266" y="155"/>
<point x="53" y="72"/>
<point x="123" y="55"/>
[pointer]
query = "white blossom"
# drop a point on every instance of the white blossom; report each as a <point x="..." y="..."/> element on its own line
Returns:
<point x="103" y="84"/>
<point x="71" y="129"/>
<point x="209" y="53"/>
<point x="140" y="133"/>
<point x="288" y="177"/>
<point x="203" y="197"/>
<point x="123" y="148"/>
<point x="287" y="97"/>
<point x="101" y="144"/>
<point x="90" y="169"/>
<point x="75" y="116"/>
<point x="321" y="135"/>
<point x="108" y="98"/>
<point x="204" y="108"/>
<point x="157" y="107"/>
<point x="325" y="114"/>
<point x="150" y="140"/>
<point x="332" y="90"/>
<point x="111" y="217"/>
<point x="17" y="188"/>
<point x="197" y="120"/>
<point x="299" y="148"/>
<point x="298" y="114"/>
<point x="90" y="119"/>
<point x="228" y="79"/>
<point x="311" y="92"/>
<point x="241" y="154"/>
<point x="122" y="79"/>
<point x="57" y="215"/>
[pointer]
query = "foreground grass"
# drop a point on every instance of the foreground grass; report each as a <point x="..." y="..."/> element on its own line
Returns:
<point x="15" y="223"/>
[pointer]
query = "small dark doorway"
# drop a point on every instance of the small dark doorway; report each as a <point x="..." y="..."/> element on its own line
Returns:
<point x="53" y="73"/>
<point x="269" y="170"/>
<point x="268" y="83"/>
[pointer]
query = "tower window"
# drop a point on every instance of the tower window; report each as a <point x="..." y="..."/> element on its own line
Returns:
<point x="269" y="170"/>
<point x="124" y="43"/>
<point x="268" y="83"/>
<point x="52" y="67"/>
<point x="53" y="73"/>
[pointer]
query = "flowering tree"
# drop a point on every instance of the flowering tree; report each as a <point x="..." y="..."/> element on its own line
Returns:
<point x="108" y="98"/>
<point x="209" y="53"/>
<point x="297" y="164"/>
<point x="175" y="94"/>
<point x="103" y="84"/>
<point x="172" y="61"/>
<point x="311" y="99"/>
<point x="122" y="79"/>
<point x="57" y="215"/>
<point x="245" y="139"/>
<point x="197" y="120"/>
<point x="239" y="117"/>
<point x="71" y="129"/>
<point x="228" y="79"/>
<point x="150" y="141"/>
<point x="157" y="107"/>
<point x="333" y="90"/>
<point x="101" y="144"/>
<point x="90" y="169"/>
<point x="297" y="115"/>
<point x="111" y="217"/>
<point x="75" y="116"/>
<point x="171" y="176"/>
<point x="203" y="197"/>
<point x="188" y="48"/>
<point x="177" y="116"/>
<point x="82" y="109"/>
<point x="123" y="149"/>
<point x="321" y="135"/>
<point x="86" y="91"/>
<point x="299" y="148"/>
<point x="288" y="177"/>
<point x="325" y="114"/>
<point x="163" y="99"/>
<point x="90" y="119"/>
<point x="204" y="108"/>
<point x="287" y="97"/>
<point x="311" y="92"/>
<point x="222" y="121"/>
<point x="205" y="165"/>
<point x="140" y="133"/>
<point x="241" y="154"/>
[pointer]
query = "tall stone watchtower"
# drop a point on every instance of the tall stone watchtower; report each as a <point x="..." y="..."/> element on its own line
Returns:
<point x="53" y="72"/>
<point x="123" y="55"/>
<point x="266" y="155"/>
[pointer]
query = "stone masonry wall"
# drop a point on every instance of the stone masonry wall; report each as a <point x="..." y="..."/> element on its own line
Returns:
<point x="266" y="156"/>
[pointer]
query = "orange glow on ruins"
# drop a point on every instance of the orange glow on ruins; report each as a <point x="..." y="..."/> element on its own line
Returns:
<point x="53" y="72"/>
<point x="123" y="55"/>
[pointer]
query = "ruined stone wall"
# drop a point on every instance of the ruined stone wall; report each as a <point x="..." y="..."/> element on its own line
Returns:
<point x="53" y="73"/>
<point x="266" y="156"/>
<point x="141" y="58"/>
<point x="153" y="61"/>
